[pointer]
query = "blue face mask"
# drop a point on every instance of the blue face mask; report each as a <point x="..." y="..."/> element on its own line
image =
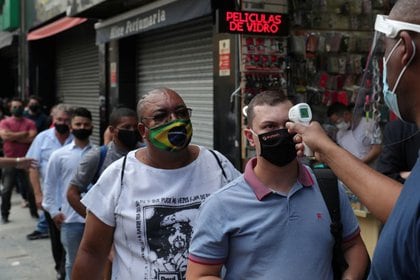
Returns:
<point x="389" y="95"/>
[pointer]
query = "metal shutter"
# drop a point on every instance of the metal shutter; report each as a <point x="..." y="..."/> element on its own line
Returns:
<point x="77" y="72"/>
<point x="181" y="58"/>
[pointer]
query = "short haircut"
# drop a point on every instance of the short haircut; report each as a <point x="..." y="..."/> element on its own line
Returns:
<point x="269" y="97"/>
<point x="17" y="99"/>
<point x="35" y="97"/>
<point x="118" y="113"/>
<point x="337" y="108"/>
<point x="61" y="107"/>
<point x="82" y="112"/>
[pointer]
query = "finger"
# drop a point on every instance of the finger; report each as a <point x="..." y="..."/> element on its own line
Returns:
<point x="294" y="127"/>
<point x="297" y="138"/>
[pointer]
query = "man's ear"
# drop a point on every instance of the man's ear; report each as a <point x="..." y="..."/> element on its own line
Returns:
<point x="409" y="46"/>
<point x="249" y="136"/>
<point x="142" y="129"/>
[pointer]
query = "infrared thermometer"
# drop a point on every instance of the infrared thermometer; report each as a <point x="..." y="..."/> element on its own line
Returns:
<point x="301" y="113"/>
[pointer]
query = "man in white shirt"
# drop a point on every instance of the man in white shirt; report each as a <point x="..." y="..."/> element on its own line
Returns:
<point x="146" y="202"/>
<point x="60" y="170"/>
<point x="358" y="140"/>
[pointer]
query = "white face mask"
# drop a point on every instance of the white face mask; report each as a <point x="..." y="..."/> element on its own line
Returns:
<point x="389" y="95"/>
<point x="342" y="125"/>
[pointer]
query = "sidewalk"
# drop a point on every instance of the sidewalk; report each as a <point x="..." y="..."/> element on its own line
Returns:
<point x="20" y="258"/>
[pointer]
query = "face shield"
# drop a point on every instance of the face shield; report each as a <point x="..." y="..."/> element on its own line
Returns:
<point x="369" y="103"/>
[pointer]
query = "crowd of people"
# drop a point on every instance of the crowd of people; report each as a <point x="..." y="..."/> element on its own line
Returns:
<point x="150" y="204"/>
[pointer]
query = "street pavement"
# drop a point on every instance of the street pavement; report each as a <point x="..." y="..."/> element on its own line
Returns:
<point x="20" y="258"/>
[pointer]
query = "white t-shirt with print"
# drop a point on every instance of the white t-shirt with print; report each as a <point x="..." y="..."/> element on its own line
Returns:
<point x="153" y="212"/>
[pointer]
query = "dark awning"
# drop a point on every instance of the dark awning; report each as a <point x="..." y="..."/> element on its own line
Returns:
<point x="55" y="27"/>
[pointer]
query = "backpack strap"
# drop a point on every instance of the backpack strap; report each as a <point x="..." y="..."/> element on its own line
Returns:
<point x="219" y="163"/>
<point x="102" y="154"/>
<point x="328" y="185"/>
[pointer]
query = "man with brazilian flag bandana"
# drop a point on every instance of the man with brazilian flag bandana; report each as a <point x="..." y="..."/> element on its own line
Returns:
<point x="147" y="203"/>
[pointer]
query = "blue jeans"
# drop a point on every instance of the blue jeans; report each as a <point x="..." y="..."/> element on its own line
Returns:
<point x="42" y="225"/>
<point x="71" y="235"/>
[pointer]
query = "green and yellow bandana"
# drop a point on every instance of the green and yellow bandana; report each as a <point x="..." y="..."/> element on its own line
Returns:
<point x="171" y="136"/>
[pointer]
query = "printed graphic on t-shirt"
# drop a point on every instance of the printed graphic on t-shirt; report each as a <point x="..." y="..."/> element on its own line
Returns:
<point x="168" y="234"/>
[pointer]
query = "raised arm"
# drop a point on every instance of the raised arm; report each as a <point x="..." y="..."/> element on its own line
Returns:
<point x="376" y="191"/>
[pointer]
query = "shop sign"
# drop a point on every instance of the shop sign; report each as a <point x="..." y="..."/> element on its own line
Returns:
<point x="165" y="15"/>
<point x="256" y="23"/>
<point x="224" y="57"/>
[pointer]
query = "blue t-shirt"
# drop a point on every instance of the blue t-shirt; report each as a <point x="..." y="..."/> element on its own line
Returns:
<point x="261" y="234"/>
<point x="397" y="254"/>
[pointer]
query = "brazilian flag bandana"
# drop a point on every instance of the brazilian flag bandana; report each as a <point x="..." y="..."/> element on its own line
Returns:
<point x="171" y="136"/>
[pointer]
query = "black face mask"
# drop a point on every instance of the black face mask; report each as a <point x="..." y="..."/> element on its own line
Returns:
<point x="82" y="134"/>
<point x="35" y="108"/>
<point x="17" y="112"/>
<point x="128" y="138"/>
<point x="277" y="147"/>
<point x="62" y="128"/>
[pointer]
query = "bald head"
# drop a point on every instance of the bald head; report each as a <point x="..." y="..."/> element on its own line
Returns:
<point x="159" y="95"/>
<point x="406" y="10"/>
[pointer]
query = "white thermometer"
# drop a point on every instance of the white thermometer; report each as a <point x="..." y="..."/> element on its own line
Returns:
<point x="301" y="113"/>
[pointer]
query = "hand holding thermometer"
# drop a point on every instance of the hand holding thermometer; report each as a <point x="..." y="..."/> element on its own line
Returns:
<point x="301" y="113"/>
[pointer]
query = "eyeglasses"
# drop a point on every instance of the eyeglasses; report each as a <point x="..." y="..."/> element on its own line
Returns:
<point x="162" y="116"/>
<point x="391" y="28"/>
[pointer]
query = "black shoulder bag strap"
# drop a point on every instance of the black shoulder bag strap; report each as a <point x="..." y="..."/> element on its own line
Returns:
<point x="327" y="182"/>
<point x="219" y="163"/>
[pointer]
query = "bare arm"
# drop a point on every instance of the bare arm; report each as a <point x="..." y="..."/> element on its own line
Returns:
<point x="377" y="192"/>
<point x="196" y="271"/>
<point x="36" y="185"/>
<point x="8" y="135"/>
<point x="356" y="257"/>
<point x="28" y="138"/>
<point x="73" y="196"/>
<point x="373" y="154"/>
<point x="94" y="249"/>
<point x="20" y="162"/>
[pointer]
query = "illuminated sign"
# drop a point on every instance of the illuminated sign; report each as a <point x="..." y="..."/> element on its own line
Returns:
<point x="253" y="23"/>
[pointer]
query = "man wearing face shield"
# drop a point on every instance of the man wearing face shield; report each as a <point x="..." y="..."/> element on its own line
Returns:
<point x="397" y="254"/>
<point x="272" y="222"/>
<point x="135" y="196"/>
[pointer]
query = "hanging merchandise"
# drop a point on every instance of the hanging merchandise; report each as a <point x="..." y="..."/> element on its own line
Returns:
<point x="329" y="46"/>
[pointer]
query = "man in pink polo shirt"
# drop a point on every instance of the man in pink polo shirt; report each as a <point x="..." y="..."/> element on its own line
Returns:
<point x="17" y="133"/>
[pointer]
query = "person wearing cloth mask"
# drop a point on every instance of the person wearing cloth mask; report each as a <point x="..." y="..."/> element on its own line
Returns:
<point x="397" y="253"/>
<point x="34" y="112"/>
<point x="131" y="202"/>
<point x="357" y="141"/>
<point x="17" y="133"/>
<point x="125" y="137"/>
<point x="61" y="168"/>
<point x="44" y="144"/>
<point x="286" y="231"/>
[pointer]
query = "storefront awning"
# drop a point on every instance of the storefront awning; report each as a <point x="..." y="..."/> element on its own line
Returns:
<point x="156" y="14"/>
<point x="54" y="28"/>
<point x="6" y="39"/>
